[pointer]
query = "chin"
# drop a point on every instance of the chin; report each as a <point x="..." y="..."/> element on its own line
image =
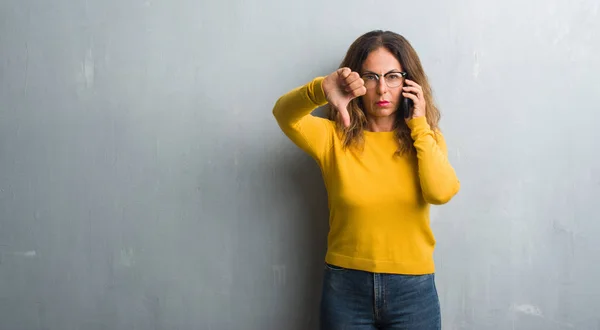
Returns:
<point x="383" y="112"/>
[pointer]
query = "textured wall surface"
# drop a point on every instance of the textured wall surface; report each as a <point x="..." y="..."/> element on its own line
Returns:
<point x="144" y="183"/>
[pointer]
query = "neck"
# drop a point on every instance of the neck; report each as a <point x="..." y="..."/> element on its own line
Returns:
<point x="380" y="124"/>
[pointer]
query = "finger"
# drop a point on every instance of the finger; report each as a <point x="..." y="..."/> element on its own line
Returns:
<point x="411" y="89"/>
<point x="344" y="72"/>
<point x="355" y="85"/>
<point x="360" y="91"/>
<point x="352" y="82"/>
<point x="352" y="77"/>
<point x="411" y="96"/>
<point x="411" y="83"/>
<point x="414" y="91"/>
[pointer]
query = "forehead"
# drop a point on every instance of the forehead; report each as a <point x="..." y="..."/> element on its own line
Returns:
<point x="381" y="60"/>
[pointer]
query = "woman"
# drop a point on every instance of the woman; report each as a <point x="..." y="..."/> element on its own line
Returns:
<point x="381" y="171"/>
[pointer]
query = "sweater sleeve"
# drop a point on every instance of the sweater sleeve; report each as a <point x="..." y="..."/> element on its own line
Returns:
<point x="293" y="114"/>
<point x="439" y="182"/>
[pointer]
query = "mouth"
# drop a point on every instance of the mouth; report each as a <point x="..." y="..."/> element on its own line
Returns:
<point x="383" y="103"/>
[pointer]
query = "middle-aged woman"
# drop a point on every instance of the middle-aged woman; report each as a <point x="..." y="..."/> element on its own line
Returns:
<point x="382" y="172"/>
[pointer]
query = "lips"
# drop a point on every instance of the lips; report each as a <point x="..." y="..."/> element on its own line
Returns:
<point x="383" y="103"/>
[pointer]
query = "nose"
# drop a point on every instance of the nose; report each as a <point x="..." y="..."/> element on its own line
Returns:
<point x="381" y="86"/>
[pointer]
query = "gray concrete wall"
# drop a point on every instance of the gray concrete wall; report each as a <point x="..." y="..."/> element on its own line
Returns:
<point x="145" y="185"/>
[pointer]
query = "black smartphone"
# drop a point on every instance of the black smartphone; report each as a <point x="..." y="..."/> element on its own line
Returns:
<point x="407" y="105"/>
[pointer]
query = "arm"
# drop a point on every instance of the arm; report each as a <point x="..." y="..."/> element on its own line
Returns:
<point x="439" y="182"/>
<point x="293" y="114"/>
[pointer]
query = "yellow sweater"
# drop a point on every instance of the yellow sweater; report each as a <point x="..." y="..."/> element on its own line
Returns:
<point x="378" y="202"/>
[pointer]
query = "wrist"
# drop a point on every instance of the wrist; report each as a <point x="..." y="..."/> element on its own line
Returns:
<point x="318" y="90"/>
<point x="417" y="122"/>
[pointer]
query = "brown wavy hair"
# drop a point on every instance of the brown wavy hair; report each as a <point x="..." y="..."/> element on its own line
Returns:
<point x="408" y="58"/>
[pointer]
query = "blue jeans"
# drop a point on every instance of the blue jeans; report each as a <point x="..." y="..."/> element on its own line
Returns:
<point x="353" y="299"/>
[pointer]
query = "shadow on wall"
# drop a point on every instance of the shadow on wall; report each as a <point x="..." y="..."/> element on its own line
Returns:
<point x="304" y="239"/>
<point x="282" y="229"/>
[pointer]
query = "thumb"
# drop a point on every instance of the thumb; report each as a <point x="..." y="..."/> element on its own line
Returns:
<point x="343" y="114"/>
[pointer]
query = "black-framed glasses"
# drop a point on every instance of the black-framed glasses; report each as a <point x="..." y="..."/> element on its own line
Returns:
<point x="392" y="79"/>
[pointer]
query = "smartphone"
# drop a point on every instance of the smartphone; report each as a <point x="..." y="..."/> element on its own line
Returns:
<point x="407" y="107"/>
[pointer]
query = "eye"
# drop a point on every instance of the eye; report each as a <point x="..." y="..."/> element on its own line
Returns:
<point x="370" y="77"/>
<point x="394" y="76"/>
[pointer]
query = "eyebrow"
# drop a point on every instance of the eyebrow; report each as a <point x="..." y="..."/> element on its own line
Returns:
<point x="391" y="71"/>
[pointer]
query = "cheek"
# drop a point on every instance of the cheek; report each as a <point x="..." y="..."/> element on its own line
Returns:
<point x="397" y="95"/>
<point x="367" y="102"/>
<point x="369" y="98"/>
